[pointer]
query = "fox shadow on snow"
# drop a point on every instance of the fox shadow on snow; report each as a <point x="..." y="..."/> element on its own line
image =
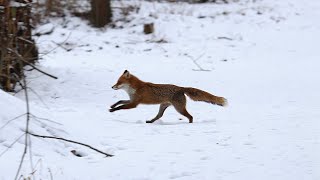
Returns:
<point x="161" y="122"/>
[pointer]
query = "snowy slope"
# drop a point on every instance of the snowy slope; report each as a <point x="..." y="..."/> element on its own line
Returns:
<point x="263" y="57"/>
<point x="12" y="136"/>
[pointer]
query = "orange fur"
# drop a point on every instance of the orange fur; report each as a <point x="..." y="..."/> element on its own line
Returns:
<point x="141" y="92"/>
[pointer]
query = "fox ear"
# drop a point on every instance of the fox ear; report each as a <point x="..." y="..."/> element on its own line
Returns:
<point x="126" y="74"/>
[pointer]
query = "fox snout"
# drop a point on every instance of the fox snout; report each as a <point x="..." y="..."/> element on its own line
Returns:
<point x="115" y="87"/>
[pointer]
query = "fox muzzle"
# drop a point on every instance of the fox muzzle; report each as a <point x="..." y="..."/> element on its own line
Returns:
<point x="115" y="87"/>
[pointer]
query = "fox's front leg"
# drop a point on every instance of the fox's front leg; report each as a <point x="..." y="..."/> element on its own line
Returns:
<point x="125" y="106"/>
<point x="120" y="102"/>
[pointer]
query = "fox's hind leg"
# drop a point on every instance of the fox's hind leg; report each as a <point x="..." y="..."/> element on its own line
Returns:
<point x="179" y="102"/>
<point x="162" y="108"/>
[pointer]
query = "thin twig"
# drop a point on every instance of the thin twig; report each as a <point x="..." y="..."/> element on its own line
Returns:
<point x="21" y="162"/>
<point x="60" y="45"/>
<point x="8" y="122"/>
<point x="25" y="40"/>
<point x="35" y="166"/>
<point x="28" y="116"/>
<point x="51" y="177"/>
<point x="71" y="141"/>
<point x="226" y="38"/>
<point x="31" y="159"/>
<point x="22" y="86"/>
<point x="21" y="177"/>
<point x="52" y="76"/>
<point x="45" y="119"/>
<point x="34" y="92"/>
<point x="56" y="46"/>
<point x="48" y="128"/>
<point x="196" y="63"/>
<point x="11" y="145"/>
<point x="22" y="59"/>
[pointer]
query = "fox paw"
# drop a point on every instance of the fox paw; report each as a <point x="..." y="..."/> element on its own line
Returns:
<point x="149" y="122"/>
<point x="112" y="110"/>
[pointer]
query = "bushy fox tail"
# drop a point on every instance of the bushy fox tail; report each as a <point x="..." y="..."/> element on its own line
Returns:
<point x="199" y="95"/>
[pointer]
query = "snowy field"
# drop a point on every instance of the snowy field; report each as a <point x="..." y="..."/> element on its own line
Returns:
<point x="263" y="57"/>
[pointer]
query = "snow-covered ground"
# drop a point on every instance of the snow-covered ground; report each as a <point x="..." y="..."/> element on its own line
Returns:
<point x="263" y="57"/>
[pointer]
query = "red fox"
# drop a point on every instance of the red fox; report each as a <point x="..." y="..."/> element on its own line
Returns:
<point x="141" y="92"/>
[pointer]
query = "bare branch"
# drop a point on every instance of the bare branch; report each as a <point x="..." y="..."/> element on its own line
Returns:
<point x="22" y="159"/>
<point x="56" y="46"/>
<point x="34" y="167"/>
<point x="61" y="45"/>
<point x="22" y="59"/>
<point x="25" y="40"/>
<point x="226" y="38"/>
<point x="11" y="145"/>
<point x="45" y="119"/>
<point x="51" y="177"/>
<point x="71" y="141"/>
<point x="34" y="92"/>
<point x="8" y="122"/>
<point x="31" y="159"/>
<point x="52" y="76"/>
<point x="28" y="116"/>
<point x="196" y="63"/>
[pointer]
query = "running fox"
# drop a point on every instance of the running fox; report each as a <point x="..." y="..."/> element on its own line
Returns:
<point x="141" y="92"/>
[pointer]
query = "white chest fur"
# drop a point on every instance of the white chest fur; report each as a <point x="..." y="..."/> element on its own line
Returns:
<point x="128" y="89"/>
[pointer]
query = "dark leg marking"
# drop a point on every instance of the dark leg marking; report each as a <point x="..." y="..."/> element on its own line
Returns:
<point x="120" y="102"/>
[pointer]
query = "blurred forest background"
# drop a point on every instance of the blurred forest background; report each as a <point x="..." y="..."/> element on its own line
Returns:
<point x="18" y="18"/>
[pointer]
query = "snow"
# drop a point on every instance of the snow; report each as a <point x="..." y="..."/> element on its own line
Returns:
<point x="266" y="64"/>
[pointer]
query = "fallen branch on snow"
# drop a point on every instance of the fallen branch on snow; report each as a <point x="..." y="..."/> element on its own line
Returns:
<point x="196" y="63"/>
<point x="71" y="141"/>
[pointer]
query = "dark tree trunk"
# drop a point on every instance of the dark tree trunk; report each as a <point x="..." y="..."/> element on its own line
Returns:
<point x="15" y="42"/>
<point x="100" y="12"/>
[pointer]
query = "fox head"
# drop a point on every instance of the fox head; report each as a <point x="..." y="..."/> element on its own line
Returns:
<point x="123" y="81"/>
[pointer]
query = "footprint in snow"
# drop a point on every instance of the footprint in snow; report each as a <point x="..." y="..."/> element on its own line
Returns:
<point x="205" y="158"/>
<point x="78" y="153"/>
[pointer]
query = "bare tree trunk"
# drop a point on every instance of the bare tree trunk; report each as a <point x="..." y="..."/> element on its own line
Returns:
<point x="15" y="35"/>
<point x="100" y="12"/>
